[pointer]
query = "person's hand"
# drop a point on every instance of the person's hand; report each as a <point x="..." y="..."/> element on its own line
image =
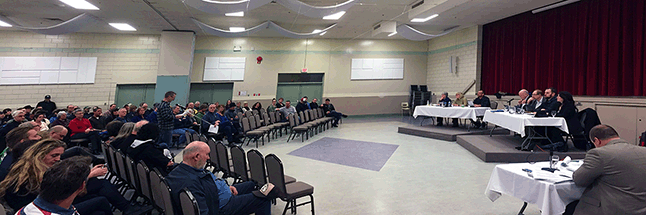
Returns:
<point x="179" y="116"/>
<point x="170" y="163"/>
<point x="98" y="170"/>
<point x="277" y="108"/>
<point x="477" y="105"/>
<point x="530" y="99"/>
<point x="327" y="112"/>
<point x="234" y="191"/>
<point x="194" y="123"/>
<point x="456" y="105"/>
<point x="217" y="123"/>
<point x="88" y="130"/>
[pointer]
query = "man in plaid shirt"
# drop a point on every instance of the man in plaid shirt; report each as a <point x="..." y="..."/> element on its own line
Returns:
<point x="166" y="118"/>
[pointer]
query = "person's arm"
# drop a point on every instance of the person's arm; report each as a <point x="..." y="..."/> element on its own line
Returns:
<point x="486" y="102"/>
<point x="591" y="169"/>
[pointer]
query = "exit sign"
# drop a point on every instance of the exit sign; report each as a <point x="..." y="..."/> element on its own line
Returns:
<point x="304" y="70"/>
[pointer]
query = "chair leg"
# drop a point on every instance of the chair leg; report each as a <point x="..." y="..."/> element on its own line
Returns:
<point x="312" y="202"/>
<point x="286" y="206"/>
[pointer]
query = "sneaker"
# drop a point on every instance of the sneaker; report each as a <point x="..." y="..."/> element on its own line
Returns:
<point x="344" y="116"/>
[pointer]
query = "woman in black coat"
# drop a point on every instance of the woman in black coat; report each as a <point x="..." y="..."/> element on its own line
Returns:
<point x="571" y="114"/>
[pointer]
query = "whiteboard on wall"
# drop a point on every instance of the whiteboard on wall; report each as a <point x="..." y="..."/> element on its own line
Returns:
<point x="47" y="70"/>
<point x="377" y="69"/>
<point x="224" y="68"/>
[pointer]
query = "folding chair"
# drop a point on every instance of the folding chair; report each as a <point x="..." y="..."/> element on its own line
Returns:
<point x="188" y="203"/>
<point x="287" y="192"/>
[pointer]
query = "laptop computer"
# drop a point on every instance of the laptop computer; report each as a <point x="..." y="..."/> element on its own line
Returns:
<point x="470" y="103"/>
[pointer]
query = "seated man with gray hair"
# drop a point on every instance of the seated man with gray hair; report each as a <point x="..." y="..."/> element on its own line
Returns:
<point x="444" y="101"/>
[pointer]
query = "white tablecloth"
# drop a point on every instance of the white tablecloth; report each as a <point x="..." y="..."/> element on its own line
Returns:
<point x="450" y="112"/>
<point x="518" y="122"/>
<point x="551" y="198"/>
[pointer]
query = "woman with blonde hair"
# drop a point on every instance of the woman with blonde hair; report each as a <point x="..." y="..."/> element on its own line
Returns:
<point x="22" y="184"/>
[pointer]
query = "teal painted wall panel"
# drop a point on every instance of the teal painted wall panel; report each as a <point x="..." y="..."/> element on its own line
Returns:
<point x="179" y="84"/>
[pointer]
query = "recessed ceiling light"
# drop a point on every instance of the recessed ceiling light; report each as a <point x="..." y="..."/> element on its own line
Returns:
<point x="4" y="24"/>
<point x="80" y="4"/>
<point x="323" y="33"/>
<point x="236" y="29"/>
<point x="316" y="31"/>
<point x="424" y="19"/>
<point x="238" y="14"/>
<point x="334" y="16"/>
<point x="123" y="26"/>
<point x="391" y="34"/>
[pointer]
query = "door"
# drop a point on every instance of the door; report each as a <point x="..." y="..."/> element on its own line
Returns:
<point x="211" y="92"/>
<point x="296" y="91"/>
<point x="135" y="94"/>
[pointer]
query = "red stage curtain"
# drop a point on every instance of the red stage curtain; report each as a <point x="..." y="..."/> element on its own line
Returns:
<point x="592" y="47"/>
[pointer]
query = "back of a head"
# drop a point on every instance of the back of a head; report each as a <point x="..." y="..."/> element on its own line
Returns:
<point x="149" y="131"/>
<point x="113" y="128"/>
<point x="16" y="135"/>
<point x="138" y="126"/>
<point x="64" y="178"/>
<point x="603" y="132"/>
<point x="126" y="129"/>
<point x="567" y="97"/>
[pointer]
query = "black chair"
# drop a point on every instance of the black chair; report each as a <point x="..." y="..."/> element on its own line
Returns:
<point x="188" y="203"/>
<point x="156" y="190"/>
<point x="287" y="192"/>
<point x="144" y="181"/>
<point x="257" y="171"/>
<point x="166" y="197"/>
<point x="239" y="160"/>
<point x="213" y="156"/>
<point x="223" y="160"/>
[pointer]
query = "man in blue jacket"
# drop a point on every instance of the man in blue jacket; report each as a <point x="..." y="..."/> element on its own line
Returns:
<point x="213" y="195"/>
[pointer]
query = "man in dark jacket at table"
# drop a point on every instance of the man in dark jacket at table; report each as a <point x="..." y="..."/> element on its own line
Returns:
<point x="481" y="101"/>
<point x="213" y="195"/>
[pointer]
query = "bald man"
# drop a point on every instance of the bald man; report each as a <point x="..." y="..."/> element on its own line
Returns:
<point x="213" y="195"/>
<point x="57" y="132"/>
<point x="524" y="99"/>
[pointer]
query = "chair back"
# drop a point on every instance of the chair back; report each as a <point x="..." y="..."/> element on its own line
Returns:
<point x="279" y="116"/>
<point x="494" y="105"/>
<point x="307" y="115"/>
<point x="195" y="137"/>
<point x="166" y="198"/>
<point x="223" y="157"/>
<point x="302" y="117"/>
<point x="240" y="115"/>
<point x="144" y="182"/>
<point x="239" y="160"/>
<point x="272" y="117"/>
<point x="266" y="119"/>
<point x="156" y="190"/>
<point x="257" y="167"/>
<point x="203" y="138"/>
<point x="247" y="114"/>
<point x="123" y="173"/>
<point x="188" y="203"/>
<point x="132" y="179"/>
<point x="189" y="137"/>
<point x="255" y="112"/>
<point x="104" y="149"/>
<point x="213" y="154"/>
<point x="252" y="122"/>
<point x="312" y="115"/>
<point x="258" y="121"/>
<point x="112" y="161"/>
<point x="245" y="125"/>
<point x="276" y="173"/>
<point x="292" y="121"/>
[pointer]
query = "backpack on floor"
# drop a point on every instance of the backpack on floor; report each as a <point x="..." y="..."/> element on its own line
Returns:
<point x="642" y="139"/>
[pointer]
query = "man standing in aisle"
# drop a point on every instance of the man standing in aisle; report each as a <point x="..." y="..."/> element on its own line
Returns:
<point x="166" y="118"/>
<point x="47" y="105"/>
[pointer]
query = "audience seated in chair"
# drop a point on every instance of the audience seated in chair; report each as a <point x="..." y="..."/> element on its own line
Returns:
<point x="18" y="118"/>
<point x="302" y="105"/>
<point x="233" y="117"/>
<point x="313" y="105"/>
<point x="226" y="126"/>
<point x="143" y="149"/>
<point x="97" y="120"/>
<point x="287" y="110"/>
<point x="330" y="111"/>
<point x="81" y="128"/>
<point x="181" y="126"/>
<point x="121" y="117"/>
<point x="213" y="195"/>
<point x="125" y="132"/>
<point x="272" y="107"/>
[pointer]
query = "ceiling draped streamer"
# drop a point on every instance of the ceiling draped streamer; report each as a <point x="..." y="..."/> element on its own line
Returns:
<point x="411" y="33"/>
<point x="222" y="7"/>
<point x="265" y="25"/>
<point x="70" y="26"/>
<point x="316" y="11"/>
<point x="225" y="33"/>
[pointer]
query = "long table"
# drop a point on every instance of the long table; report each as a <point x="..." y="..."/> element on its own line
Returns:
<point x="450" y="112"/>
<point x="550" y="196"/>
<point x="519" y="123"/>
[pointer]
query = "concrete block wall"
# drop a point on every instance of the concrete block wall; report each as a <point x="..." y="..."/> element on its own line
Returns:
<point x="122" y="59"/>
<point x="465" y="45"/>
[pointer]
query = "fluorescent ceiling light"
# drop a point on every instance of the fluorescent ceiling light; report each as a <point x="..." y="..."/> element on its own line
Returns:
<point x="238" y="14"/>
<point x="4" y="24"/>
<point x="123" y="26"/>
<point x="391" y="34"/>
<point x="323" y="33"/>
<point x="80" y="4"/>
<point x="236" y="29"/>
<point x="424" y="19"/>
<point x="316" y="31"/>
<point x="334" y="16"/>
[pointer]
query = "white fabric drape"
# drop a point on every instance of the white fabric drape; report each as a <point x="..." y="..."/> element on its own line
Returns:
<point x="265" y="25"/>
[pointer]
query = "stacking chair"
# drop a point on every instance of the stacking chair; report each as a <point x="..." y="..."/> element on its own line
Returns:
<point x="156" y="190"/>
<point x="257" y="171"/>
<point x="188" y="203"/>
<point x="203" y="138"/>
<point x="287" y="192"/>
<point x="144" y="182"/>
<point x="302" y="121"/>
<point x="223" y="160"/>
<point x="405" y="109"/>
<point x="283" y="125"/>
<point x="248" y="131"/>
<point x="189" y="137"/>
<point x="255" y="112"/>
<point x="166" y="197"/>
<point x="108" y="161"/>
<point x="195" y="137"/>
<point x="213" y="160"/>
<point x="239" y="160"/>
<point x="123" y="173"/>
<point x="133" y="180"/>
<point x="270" y="124"/>
<point x="260" y="127"/>
<point x="296" y="129"/>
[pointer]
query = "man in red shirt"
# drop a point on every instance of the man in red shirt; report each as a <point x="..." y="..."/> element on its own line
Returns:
<point x="81" y="128"/>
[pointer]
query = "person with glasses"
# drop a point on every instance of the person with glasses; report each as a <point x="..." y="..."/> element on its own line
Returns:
<point x="536" y="101"/>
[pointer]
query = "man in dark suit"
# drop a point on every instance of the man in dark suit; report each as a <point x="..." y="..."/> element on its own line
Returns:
<point x="536" y="101"/>
<point x="613" y="173"/>
<point x="524" y="99"/>
<point x="550" y="103"/>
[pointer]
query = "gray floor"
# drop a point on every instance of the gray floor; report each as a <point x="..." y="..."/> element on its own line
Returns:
<point x="423" y="176"/>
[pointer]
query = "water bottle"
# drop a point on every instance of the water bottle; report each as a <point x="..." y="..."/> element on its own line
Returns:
<point x="428" y="103"/>
<point x="449" y="104"/>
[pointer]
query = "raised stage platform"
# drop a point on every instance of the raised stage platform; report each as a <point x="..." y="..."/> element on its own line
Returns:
<point x="500" y="148"/>
<point x="446" y="133"/>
